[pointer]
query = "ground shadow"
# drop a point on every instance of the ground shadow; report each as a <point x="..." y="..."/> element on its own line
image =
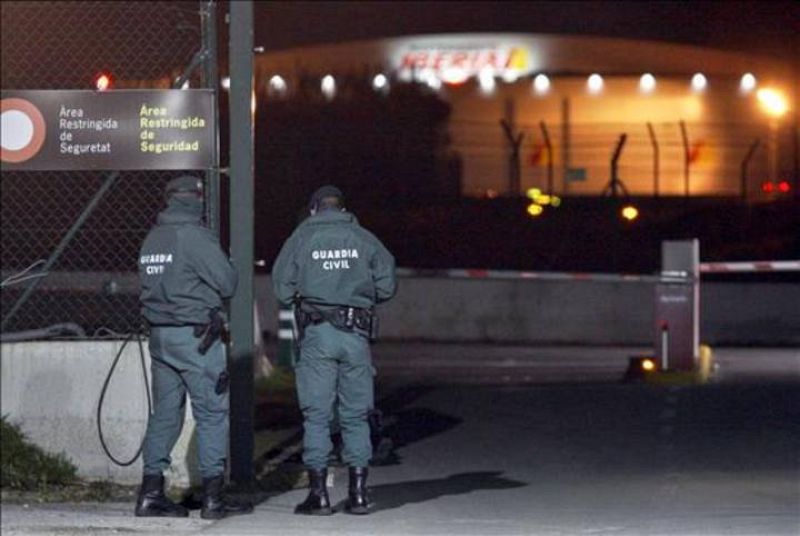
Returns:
<point x="390" y="496"/>
<point x="405" y="427"/>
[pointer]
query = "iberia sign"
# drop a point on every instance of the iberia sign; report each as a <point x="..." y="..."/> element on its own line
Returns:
<point x="107" y="130"/>
<point x="456" y="64"/>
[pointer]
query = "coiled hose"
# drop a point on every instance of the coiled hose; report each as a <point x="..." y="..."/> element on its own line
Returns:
<point x="103" y="396"/>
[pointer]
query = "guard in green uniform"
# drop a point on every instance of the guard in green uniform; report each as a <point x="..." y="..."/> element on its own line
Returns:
<point x="185" y="276"/>
<point x="334" y="271"/>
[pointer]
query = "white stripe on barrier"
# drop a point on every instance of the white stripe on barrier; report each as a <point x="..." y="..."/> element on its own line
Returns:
<point x="285" y="334"/>
<point x="750" y="266"/>
<point x="549" y="276"/>
<point x="283" y="314"/>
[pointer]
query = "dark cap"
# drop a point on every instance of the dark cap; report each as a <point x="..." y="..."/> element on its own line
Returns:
<point x="185" y="184"/>
<point x="323" y="192"/>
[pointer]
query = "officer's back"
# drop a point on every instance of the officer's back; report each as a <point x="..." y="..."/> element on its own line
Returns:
<point x="331" y="260"/>
<point x="184" y="274"/>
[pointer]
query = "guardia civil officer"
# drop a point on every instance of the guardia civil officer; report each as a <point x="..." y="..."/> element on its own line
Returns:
<point x="185" y="276"/>
<point x="334" y="271"/>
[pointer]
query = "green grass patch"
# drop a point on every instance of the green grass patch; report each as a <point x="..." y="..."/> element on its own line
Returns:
<point x="25" y="466"/>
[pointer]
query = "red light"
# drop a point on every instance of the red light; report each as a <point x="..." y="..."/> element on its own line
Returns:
<point x="767" y="187"/>
<point x="784" y="186"/>
<point x="102" y="82"/>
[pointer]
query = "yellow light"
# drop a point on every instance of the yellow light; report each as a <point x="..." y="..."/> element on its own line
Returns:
<point x="630" y="212"/>
<point x="535" y="210"/>
<point x="543" y="199"/>
<point x="648" y="365"/>
<point x="772" y="101"/>
<point x="533" y="193"/>
<point x="555" y="201"/>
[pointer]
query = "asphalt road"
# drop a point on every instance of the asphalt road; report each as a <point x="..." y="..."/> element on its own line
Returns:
<point x="519" y="441"/>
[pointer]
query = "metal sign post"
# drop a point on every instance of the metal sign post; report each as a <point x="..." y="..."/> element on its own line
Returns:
<point x="241" y="233"/>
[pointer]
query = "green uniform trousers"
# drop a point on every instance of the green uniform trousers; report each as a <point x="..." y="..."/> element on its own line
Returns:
<point x="335" y="369"/>
<point x="177" y="367"/>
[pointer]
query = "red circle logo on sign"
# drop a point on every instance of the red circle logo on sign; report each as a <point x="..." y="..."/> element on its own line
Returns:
<point x="23" y="130"/>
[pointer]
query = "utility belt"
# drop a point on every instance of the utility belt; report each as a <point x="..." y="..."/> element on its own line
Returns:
<point x="346" y="318"/>
<point x="208" y="333"/>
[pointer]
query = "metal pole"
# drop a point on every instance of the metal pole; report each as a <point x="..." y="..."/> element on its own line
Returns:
<point x="515" y="142"/>
<point x="685" y="138"/>
<point x="549" y="146"/>
<point x="211" y="79"/>
<point x="615" y="183"/>
<point x="654" y="143"/>
<point x="565" y="143"/>
<point x="241" y="240"/>
<point x="750" y="152"/>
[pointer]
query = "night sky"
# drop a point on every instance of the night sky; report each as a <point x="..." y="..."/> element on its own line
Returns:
<point x="771" y="28"/>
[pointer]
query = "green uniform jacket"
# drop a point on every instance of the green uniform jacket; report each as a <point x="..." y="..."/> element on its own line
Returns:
<point x="331" y="260"/>
<point x="183" y="271"/>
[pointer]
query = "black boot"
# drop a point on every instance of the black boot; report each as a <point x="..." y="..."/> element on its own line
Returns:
<point x="357" y="500"/>
<point x="216" y="505"/>
<point x="317" y="503"/>
<point x="152" y="502"/>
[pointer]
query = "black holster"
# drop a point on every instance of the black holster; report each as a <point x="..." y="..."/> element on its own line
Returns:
<point x="210" y="332"/>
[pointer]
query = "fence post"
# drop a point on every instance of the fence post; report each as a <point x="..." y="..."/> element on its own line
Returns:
<point x="685" y="140"/>
<point x="614" y="183"/>
<point x="745" y="161"/>
<point x="514" y="144"/>
<point x="208" y="14"/>
<point x="549" y="146"/>
<point x="654" y="143"/>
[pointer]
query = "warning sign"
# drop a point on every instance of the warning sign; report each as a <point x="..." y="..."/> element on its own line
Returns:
<point x="107" y="130"/>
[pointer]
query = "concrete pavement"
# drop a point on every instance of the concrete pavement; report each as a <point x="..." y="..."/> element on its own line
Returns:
<point x="540" y="449"/>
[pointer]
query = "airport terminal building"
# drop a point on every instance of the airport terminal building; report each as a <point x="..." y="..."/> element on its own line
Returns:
<point x="552" y="112"/>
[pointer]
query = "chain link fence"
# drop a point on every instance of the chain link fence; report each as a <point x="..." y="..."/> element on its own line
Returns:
<point x="93" y="285"/>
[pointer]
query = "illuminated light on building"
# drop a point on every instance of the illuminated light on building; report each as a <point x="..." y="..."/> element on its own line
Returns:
<point x="225" y="83"/>
<point x="510" y="75"/>
<point x="647" y="83"/>
<point x="328" y="86"/>
<point x="541" y="84"/>
<point x="629" y="212"/>
<point x="434" y="82"/>
<point x="380" y="82"/>
<point x="535" y="210"/>
<point x="595" y="83"/>
<point x="748" y="83"/>
<point x="699" y="82"/>
<point x="454" y="76"/>
<point x="533" y="193"/>
<point x="253" y="102"/>
<point x="648" y="365"/>
<point x="277" y="85"/>
<point x="102" y="82"/>
<point x="784" y="187"/>
<point x="772" y="101"/>
<point x="486" y="81"/>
